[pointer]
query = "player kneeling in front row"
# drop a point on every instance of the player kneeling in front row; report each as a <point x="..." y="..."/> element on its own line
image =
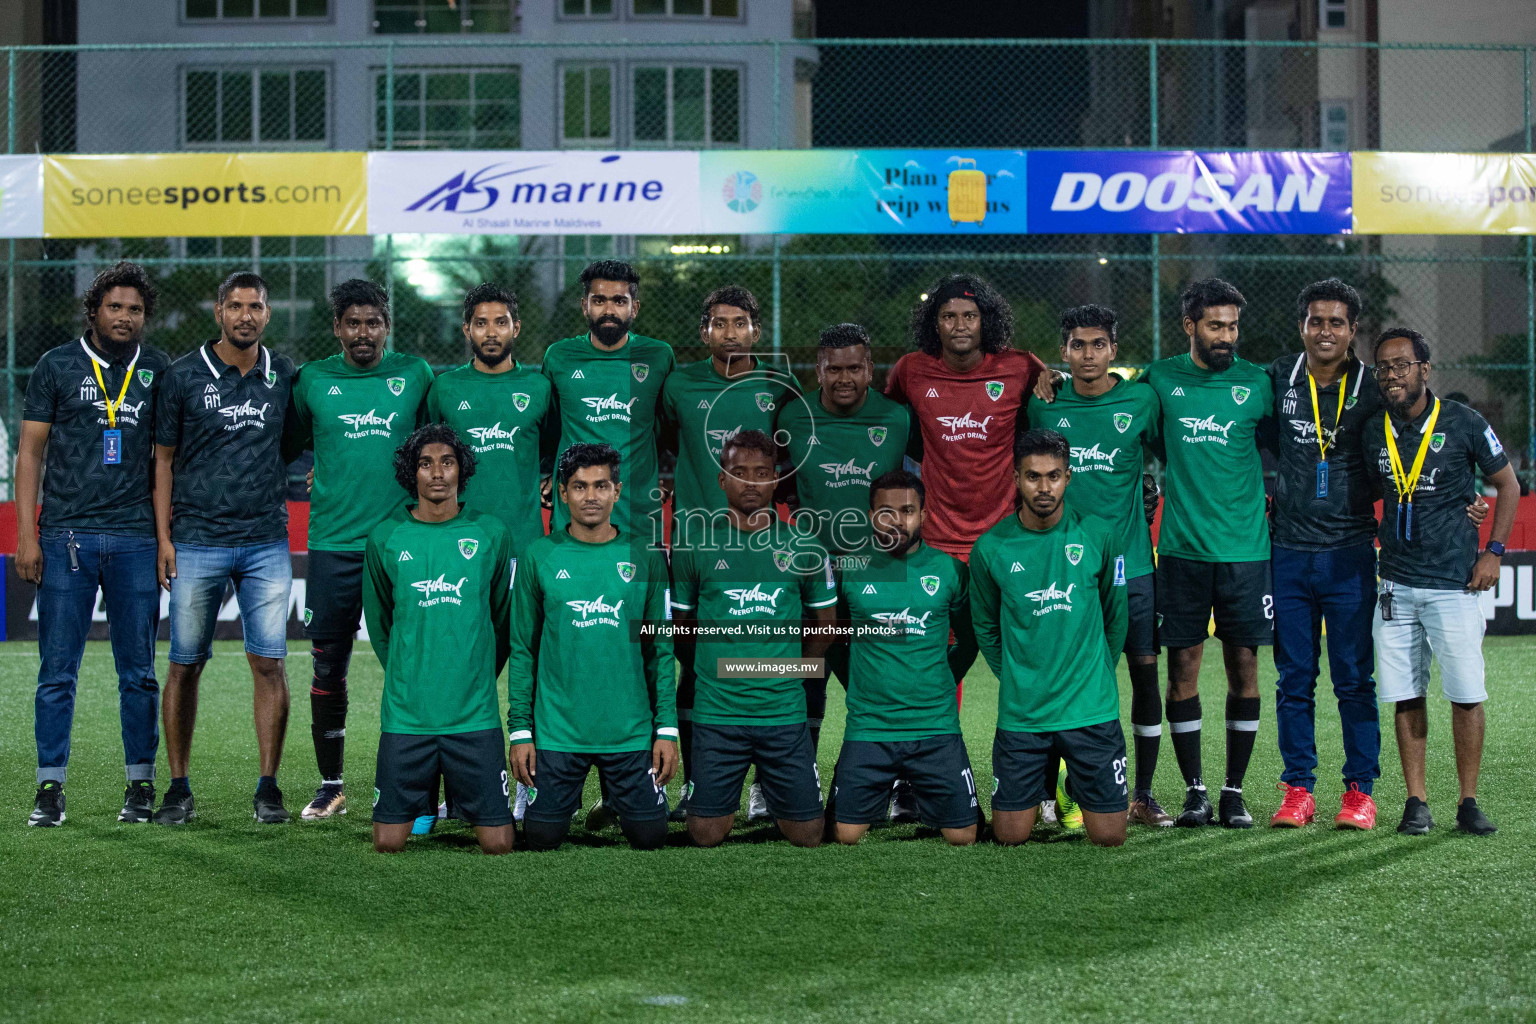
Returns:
<point x="749" y="570"/>
<point x="1049" y="608"/>
<point x="903" y="714"/>
<point x="584" y="688"/>
<point x="437" y="594"/>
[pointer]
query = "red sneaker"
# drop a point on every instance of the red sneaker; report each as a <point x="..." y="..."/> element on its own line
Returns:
<point x="1358" y="812"/>
<point x="1296" y="810"/>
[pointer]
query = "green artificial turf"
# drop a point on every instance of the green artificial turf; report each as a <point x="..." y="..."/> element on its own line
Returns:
<point x="227" y="920"/>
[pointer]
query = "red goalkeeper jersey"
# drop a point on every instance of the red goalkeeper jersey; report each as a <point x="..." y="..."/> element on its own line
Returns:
<point x="967" y="422"/>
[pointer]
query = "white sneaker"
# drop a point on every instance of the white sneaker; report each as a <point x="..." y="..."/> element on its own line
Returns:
<point x="520" y="803"/>
<point x="1048" y="812"/>
<point x="757" y="806"/>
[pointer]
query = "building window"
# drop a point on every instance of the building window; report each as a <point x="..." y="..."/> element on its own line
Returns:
<point x="586" y="8"/>
<point x="1334" y="118"/>
<point x="442" y="17"/>
<point x="253" y="10"/>
<point x="295" y="272"/>
<point x="1333" y="14"/>
<point x="688" y="8"/>
<point x="269" y="106"/>
<point x="586" y="105"/>
<point x="687" y="106"/>
<point x="447" y="107"/>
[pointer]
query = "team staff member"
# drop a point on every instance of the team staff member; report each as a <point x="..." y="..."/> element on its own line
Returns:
<point x="1110" y="424"/>
<point x="352" y="409"/>
<point x="967" y="386"/>
<point x="1424" y="453"/>
<point x="221" y="515"/>
<point x="1048" y="606"/>
<point x="438" y="597"/>
<point x="90" y="416"/>
<point x="1213" y="547"/>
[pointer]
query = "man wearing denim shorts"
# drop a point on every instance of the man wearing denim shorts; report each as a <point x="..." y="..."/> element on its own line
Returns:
<point x="1424" y="452"/>
<point x="221" y="517"/>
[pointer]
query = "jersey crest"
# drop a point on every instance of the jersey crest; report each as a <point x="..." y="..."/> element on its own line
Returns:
<point x="1074" y="553"/>
<point x="1436" y="441"/>
<point x="520" y="401"/>
<point x="468" y="546"/>
<point x="640" y="371"/>
<point x="781" y="560"/>
<point x="1123" y="421"/>
<point x="930" y="585"/>
<point x="396" y="385"/>
<point x="877" y="436"/>
<point x="1239" y="394"/>
<point x="146" y="377"/>
<point x="994" y="389"/>
<point x="764" y="401"/>
<point x="626" y="571"/>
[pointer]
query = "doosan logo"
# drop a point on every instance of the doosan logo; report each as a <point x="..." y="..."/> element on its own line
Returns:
<point x="1182" y="190"/>
<point x="487" y="437"/>
<point x="361" y="424"/>
<point x="439" y="591"/>
<point x="962" y="427"/>
<point x="1205" y="429"/>
<point x="610" y="408"/>
<point x="843" y="474"/>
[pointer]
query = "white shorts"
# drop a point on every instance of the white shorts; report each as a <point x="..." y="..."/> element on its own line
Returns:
<point x="1447" y="623"/>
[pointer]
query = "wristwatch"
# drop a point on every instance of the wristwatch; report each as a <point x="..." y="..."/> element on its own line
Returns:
<point x="1493" y="547"/>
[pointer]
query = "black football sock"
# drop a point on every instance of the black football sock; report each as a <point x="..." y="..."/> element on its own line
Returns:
<point x="180" y="787"/>
<point x="685" y="743"/>
<point x="1146" y="723"/>
<point x="265" y="783"/>
<point x="328" y="706"/>
<point x="647" y="834"/>
<point x="1242" y="730"/>
<point x="1184" y="724"/>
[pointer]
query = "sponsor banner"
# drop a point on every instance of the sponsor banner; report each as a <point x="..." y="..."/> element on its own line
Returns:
<point x="1510" y="607"/>
<point x="198" y="194"/>
<point x="1445" y="193"/>
<point x="20" y="598"/>
<point x="1120" y="192"/>
<point x="866" y="191"/>
<point x="21" y="197"/>
<point x="516" y="192"/>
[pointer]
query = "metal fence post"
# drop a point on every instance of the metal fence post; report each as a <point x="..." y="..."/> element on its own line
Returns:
<point x="1157" y="298"/>
<point x="778" y="294"/>
<point x="11" y="420"/>
<point x="778" y="91"/>
<point x="1530" y="306"/>
<point x="1152" y="92"/>
<point x="389" y="143"/>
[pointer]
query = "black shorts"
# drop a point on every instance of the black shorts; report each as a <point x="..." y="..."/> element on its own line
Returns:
<point x="786" y="769"/>
<point x="628" y="785"/>
<point x="937" y="766"/>
<point x="333" y="595"/>
<point x="472" y="765"/>
<point x="1238" y="594"/>
<point x="1095" y="758"/>
<point x="1141" y="612"/>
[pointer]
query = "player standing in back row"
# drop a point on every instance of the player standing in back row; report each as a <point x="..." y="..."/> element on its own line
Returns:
<point x="967" y="386"/>
<point x="1213" y="548"/>
<point x="352" y="410"/>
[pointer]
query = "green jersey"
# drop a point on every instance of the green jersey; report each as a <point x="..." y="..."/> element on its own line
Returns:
<point x="836" y="457"/>
<point x="613" y="398"/>
<point x="771" y="576"/>
<point x="353" y="420"/>
<point x="705" y="410"/>
<point x="1213" y="508"/>
<point x="1050" y="619"/>
<point x="437" y="598"/>
<point x="902" y="686"/>
<point x="506" y="419"/>
<point x="1107" y="433"/>
<point x="581" y="679"/>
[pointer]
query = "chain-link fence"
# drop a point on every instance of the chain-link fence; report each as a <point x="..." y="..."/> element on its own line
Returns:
<point x="1473" y="296"/>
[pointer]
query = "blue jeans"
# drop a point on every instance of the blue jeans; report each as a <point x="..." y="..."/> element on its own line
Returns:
<point x="1338" y="586"/>
<point x="263" y="577"/>
<point x="124" y="569"/>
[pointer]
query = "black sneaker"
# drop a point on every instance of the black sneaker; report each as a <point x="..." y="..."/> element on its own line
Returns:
<point x="269" y="806"/>
<point x="1233" y="813"/>
<point x="903" y="803"/>
<point x="1416" y="820"/>
<point x="138" y="802"/>
<point x="1197" y="808"/>
<point x="48" y="809"/>
<point x="175" y="809"/>
<point x="1470" y="818"/>
<point x="680" y="812"/>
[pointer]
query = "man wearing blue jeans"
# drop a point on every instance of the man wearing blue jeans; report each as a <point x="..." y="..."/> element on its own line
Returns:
<point x="220" y="518"/>
<point x="90" y="415"/>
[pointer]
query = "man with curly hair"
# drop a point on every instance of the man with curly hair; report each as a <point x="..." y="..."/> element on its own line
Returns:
<point x="438" y="579"/>
<point x="90" y="407"/>
<point x="967" y="387"/>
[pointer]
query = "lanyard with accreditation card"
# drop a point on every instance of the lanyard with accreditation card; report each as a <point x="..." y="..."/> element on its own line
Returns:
<point x="1407" y="481"/>
<point x="112" y="437"/>
<point x="1317" y="418"/>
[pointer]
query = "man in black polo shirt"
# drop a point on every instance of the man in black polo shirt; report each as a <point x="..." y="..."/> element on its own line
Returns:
<point x="90" y="416"/>
<point x="220" y="516"/>
<point x="1425" y="452"/>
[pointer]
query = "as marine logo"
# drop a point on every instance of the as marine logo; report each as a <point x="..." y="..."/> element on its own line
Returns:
<point x="930" y="585"/>
<point x="626" y="571"/>
<point x="396" y="385"/>
<point x="468" y="546"/>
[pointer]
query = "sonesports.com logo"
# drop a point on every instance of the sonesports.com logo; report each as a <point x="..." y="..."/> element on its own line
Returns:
<point x="743" y="192"/>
